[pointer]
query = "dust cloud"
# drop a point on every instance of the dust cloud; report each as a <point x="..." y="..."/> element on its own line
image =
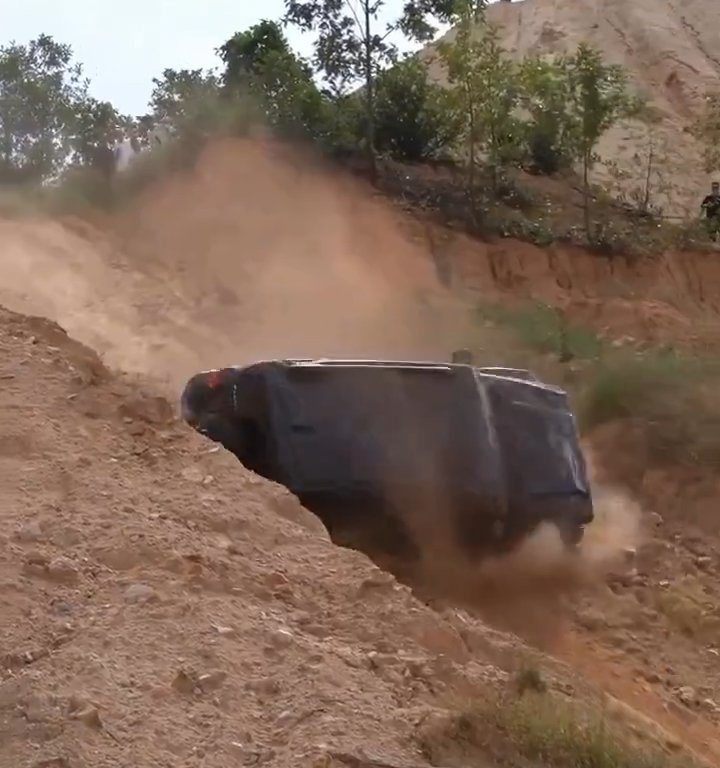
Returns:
<point x="267" y="251"/>
<point x="530" y="591"/>
<point x="260" y="250"/>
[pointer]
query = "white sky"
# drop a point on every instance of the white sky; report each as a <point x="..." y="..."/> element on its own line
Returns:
<point x="123" y="45"/>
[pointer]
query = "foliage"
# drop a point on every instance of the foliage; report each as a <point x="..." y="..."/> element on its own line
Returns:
<point x="550" y="130"/>
<point x="190" y="105"/>
<point x="599" y="98"/>
<point x="546" y="730"/>
<point x="47" y="118"/>
<point x="560" y="734"/>
<point x="413" y="117"/>
<point x="543" y="329"/>
<point x="97" y="126"/>
<point x="485" y="89"/>
<point x="670" y="394"/>
<point x="637" y="183"/>
<point x="259" y="63"/>
<point x="352" y="46"/>
<point x="707" y="130"/>
<point x="180" y="97"/>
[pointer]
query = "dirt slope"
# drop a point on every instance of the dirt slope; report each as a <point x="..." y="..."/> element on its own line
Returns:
<point x="161" y="606"/>
<point x="671" y="51"/>
<point x="134" y="561"/>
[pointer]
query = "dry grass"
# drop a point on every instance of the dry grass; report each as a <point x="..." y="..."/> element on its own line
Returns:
<point x="542" y="329"/>
<point x="689" y="610"/>
<point x="540" y="730"/>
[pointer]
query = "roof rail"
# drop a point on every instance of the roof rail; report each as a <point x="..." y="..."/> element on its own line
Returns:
<point x="324" y="361"/>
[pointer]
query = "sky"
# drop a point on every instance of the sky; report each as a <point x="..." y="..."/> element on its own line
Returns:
<point x="123" y="45"/>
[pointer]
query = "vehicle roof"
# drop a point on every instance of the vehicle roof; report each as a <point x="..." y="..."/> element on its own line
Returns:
<point x="515" y="374"/>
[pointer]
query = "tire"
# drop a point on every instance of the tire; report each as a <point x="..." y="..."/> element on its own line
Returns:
<point x="571" y="534"/>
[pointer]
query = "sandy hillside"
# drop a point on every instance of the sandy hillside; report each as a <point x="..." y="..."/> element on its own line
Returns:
<point x="671" y="49"/>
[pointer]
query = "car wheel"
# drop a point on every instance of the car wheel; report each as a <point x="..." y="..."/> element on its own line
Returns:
<point x="571" y="535"/>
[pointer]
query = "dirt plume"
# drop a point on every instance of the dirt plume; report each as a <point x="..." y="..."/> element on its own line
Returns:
<point x="529" y="591"/>
<point x="258" y="251"/>
<point x="278" y="254"/>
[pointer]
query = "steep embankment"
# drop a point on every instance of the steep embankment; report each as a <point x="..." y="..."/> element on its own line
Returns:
<point x="670" y="50"/>
<point x="161" y="606"/>
<point x="674" y="297"/>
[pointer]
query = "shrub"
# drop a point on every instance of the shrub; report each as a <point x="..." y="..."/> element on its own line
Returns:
<point x="672" y="396"/>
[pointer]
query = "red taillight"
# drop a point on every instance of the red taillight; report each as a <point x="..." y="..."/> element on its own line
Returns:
<point x="213" y="379"/>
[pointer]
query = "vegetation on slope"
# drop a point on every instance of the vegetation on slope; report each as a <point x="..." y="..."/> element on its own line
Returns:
<point x="499" y="126"/>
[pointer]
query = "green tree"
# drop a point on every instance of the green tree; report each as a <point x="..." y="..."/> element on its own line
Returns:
<point x="550" y="131"/>
<point x="485" y="87"/>
<point x="352" y="45"/>
<point x="414" y="120"/>
<point x="97" y="126"/>
<point x="42" y="92"/>
<point x="179" y="96"/>
<point x="599" y="98"/>
<point x="259" y="64"/>
<point x="639" y="183"/>
<point x="190" y="103"/>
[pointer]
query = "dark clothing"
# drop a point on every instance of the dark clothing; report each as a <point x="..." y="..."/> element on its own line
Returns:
<point x="711" y="204"/>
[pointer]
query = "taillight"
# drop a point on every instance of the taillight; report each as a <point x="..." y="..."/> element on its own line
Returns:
<point x="213" y="378"/>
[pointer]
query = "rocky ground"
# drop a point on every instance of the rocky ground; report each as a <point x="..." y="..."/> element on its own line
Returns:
<point x="162" y="607"/>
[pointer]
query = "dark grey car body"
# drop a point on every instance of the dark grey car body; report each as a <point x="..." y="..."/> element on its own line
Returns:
<point x="494" y="449"/>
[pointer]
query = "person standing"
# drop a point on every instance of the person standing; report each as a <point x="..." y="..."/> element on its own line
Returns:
<point x="711" y="206"/>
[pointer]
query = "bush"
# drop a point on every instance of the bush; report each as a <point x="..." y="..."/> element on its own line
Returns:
<point x="543" y="329"/>
<point x="413" y="120"/>
<point x="671" y="396"/>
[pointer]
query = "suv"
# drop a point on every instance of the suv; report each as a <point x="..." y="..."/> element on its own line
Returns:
<point x="376" y="443"/>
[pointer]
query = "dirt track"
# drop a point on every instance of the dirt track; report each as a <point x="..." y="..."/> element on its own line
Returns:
<point x="135" y="560"/>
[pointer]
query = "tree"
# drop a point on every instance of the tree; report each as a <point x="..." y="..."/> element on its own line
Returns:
<point x="352" y="45"/>
<point x="42" y="93"/>
<point x="413" y="119"/>
<point x="97" y="126"/>
<point x="260" y="64"/>
<point x="599" y="98"/>
<point x="179" y="95"/>
<point x="550" y="132"/>
<point x="707" y="131"/>
<point x="640" y="182"/>
<point x="485" y="86"/>
<point x="190" y="105"/>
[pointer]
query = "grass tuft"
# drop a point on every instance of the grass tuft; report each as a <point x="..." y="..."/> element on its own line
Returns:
<point x="543" y="731"/>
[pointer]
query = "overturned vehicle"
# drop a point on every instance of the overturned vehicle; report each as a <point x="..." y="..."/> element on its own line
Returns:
<point x="488" y="452"/>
